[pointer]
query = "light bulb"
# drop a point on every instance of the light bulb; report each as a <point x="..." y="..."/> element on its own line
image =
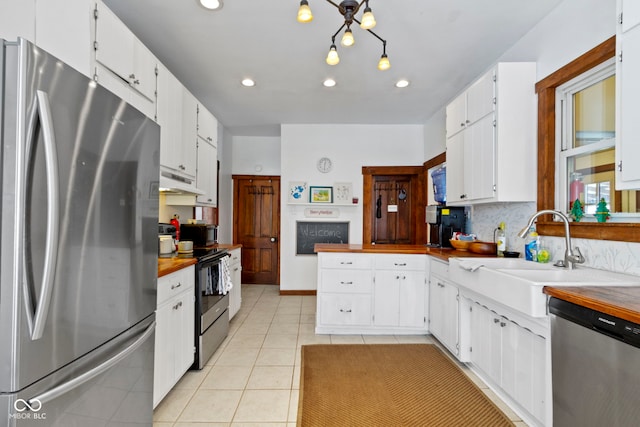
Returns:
<point x="211" y="4"/>
<point x="384" y="63"/>
<point x="368" y="21"/>
<point x="304" y="12"/>
<point x="332" y="57"/>
<point x="347" y="38"/>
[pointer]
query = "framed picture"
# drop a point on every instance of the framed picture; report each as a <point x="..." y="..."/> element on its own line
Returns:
<point x="297" y="192"/>
<point x="321" y="194"/>
<point x="342" y="192"/>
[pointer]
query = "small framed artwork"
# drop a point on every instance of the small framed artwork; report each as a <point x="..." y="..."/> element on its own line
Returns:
<point x="342" y="192"/>
<point x="321" y="194"/>
<point x="297" y="192"/>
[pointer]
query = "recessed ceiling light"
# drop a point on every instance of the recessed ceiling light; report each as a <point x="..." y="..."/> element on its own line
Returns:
<point x="248" y="82"/>
<point x="402" y="83"/>
<point x="211" y="4"/>
<point x="329" y="83"/>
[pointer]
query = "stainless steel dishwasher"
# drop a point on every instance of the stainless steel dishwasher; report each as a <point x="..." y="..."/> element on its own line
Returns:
<point x="595" y="361"/>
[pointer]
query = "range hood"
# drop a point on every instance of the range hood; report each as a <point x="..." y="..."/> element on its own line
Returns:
<point x="174" y="184"/>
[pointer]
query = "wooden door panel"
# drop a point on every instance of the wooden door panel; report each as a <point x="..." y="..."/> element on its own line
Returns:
<point x="256" y="227"/>
<point x="392" y="227"/>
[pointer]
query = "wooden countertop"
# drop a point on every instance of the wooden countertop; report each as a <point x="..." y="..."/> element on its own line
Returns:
<point x="175" y="263"/>
<point x="618" y="301"/>
<point x="441" y="253"/>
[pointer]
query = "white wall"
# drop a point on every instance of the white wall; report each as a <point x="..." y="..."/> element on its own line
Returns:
<point x="225" y="186"/>
<point x="256" y="155"/>
<point x="435" y="135"/>
<point x="349" y="147"/>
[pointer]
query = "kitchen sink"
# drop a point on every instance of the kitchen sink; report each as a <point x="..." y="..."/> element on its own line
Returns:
<point x="518" y="283"/>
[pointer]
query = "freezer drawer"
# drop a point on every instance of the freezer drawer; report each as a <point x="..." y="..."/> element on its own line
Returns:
<point x="119" y="395"/>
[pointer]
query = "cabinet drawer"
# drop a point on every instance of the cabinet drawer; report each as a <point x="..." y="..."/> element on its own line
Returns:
<point x="401" y="262"/>
<point x="346" y="281"/>
<point x="234" y="257"/>
<point x="350" y="261"/>
<point x="174" y="283"/>
<point x="439" y="268"/>
<point x="336" y="309"/>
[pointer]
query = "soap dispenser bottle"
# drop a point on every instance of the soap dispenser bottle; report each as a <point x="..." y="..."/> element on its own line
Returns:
<point x="501" y="239"/>
<point x="531" y="245"/>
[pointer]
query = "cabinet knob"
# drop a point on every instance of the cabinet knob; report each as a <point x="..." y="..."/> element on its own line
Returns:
<point x="132" y="76"/>
<point x="496" y="320"/>
<point x="346" y="283"/>
<point x="402" y="264"/>
<point x="342" y="310"/>
<point x="461" y="125"/>
<point x="176" y="286"/>
<point x="502" y="324"/>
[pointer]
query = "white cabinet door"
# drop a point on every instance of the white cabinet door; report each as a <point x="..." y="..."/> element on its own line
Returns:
<point x="627" y="98"/>
<point x="235" y="296"/>
<point x="443" y="312"/>
<point x="386" y="298"/>
<point x="183" y="318"/>
<point x="480" y="98"/>
<point x="480" y="159"/>
<point x="631" y="13"/>
<point x="189" y="133"/>
<point x="413" y="299"/>
<point x="207" y="125"/>
<point x="114" y="42"/>
<point x="163" y="374"/>
<point x="456" y="118"/>
<point x="207" y="174"/>
<point x="169" y="119"/>
<point x="455" y="172"/>
<point x="17" y="19"/>
<point x="120" y="51"/>
<point x="71" y="41"/>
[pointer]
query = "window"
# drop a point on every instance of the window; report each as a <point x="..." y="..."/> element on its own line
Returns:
<point x="586" y="149"/>
<point x="547" y="154"/>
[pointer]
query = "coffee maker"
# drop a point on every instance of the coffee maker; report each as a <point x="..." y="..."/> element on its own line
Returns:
<point x="443" y="222"/>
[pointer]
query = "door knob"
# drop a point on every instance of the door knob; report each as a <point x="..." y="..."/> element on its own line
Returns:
<point x="273" y="240"/>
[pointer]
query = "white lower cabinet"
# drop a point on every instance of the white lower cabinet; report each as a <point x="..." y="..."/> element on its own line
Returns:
<point x="174" y="343"/>
<point x="510" y="356"/>
<point x="371" y="294"/>
<point x="235" y="295"/>
<point x="443" y="312"/>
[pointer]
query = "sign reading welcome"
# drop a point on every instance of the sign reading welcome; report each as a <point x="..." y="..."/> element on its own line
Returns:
<point x="308" y="233"/>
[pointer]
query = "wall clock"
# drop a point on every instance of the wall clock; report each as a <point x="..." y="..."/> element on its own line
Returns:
<point x="325" y="165"/>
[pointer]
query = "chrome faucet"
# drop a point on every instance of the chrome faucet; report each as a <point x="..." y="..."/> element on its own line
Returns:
<point x="570" y="258"/>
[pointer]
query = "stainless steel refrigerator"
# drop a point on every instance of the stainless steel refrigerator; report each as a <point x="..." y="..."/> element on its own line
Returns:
<point x="78" y="255"/>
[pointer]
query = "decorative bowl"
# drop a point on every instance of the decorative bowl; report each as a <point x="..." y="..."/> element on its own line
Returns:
<point x="484" y="248"/>
<point x="511" y="254"/>
<point x="460" y="245"/>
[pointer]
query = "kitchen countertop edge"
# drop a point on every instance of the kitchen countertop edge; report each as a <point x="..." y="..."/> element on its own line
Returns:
<point x="171" y="265"/>
<point x="440" y="253"/>
<point x="619" y="301"/>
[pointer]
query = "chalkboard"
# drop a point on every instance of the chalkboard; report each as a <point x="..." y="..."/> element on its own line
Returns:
<point x="309" y="233"/>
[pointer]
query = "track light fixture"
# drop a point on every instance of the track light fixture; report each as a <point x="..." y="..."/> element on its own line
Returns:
<point x="348" y="9"/>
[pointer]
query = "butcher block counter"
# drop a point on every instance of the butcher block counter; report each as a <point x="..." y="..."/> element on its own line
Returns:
<point x="619" y="301"/>
<point x="177" y="262"/>
<point x="441" y="253"/>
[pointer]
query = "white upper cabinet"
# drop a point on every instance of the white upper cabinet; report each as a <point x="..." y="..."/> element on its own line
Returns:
<point x="207" y="179"/>
<point x="123" y="64"/>
<point x="40" y="23"/>
<point x="207" y="125"/>
<point x="491" y="138"/>
<point x="188" y="164"/>
<point x="628" y="95"/>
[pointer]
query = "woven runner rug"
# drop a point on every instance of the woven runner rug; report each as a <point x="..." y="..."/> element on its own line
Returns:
<point x="389" y="385"/>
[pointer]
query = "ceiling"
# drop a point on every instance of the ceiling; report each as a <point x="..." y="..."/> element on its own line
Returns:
<point x="439" y="46"/>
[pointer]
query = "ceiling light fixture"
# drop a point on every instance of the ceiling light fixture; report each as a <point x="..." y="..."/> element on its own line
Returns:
<point x="348" y="9"/>
<point x="211" y="4"/>
<point x="329" y="83"/>
<point x="248" y="82"/>
<point x="402" y="83"/>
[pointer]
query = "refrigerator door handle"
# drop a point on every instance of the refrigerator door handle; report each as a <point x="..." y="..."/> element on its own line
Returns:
<point x="37" y="320"/>
<point x="93" y="372"/>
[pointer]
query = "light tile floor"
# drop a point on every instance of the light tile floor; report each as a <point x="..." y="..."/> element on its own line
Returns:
<point x="254" y="377"/>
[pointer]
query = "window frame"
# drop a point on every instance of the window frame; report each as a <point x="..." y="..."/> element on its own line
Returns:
<point x="546" y="90"/>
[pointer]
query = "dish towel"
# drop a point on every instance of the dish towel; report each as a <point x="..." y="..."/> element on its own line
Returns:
<point x="224" y="284"/>
<point x="470" y="265"/>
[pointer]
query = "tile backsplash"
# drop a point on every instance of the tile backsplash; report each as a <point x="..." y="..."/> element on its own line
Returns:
<point x="621" y="257"/>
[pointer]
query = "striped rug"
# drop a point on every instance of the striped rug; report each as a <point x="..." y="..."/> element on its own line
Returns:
<point x="389" y="385"/>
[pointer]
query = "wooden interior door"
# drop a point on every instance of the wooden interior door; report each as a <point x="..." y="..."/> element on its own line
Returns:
<point x="256" y="218"/>
<point x="392" y="209"/>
